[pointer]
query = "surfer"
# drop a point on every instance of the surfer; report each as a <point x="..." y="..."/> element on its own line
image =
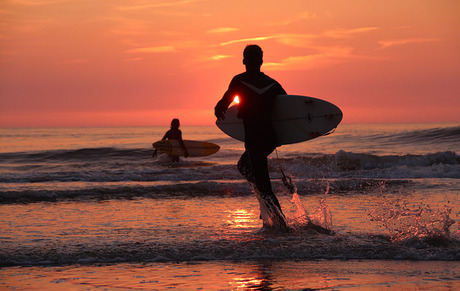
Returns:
<point x="256" y="93"/>
<point x="174" y="133"/>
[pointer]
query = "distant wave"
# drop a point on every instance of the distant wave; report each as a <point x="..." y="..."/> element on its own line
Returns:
<point x="437" y="134"/>
<point x="424" y="136"/>
<point x="127" y="191"/>
<point x="347" y="164"/>
<point x="112" y="165"/>
<point x="109" y="154"/>
<point x="85" y="154"/>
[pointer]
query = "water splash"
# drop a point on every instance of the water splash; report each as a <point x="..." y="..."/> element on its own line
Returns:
<point x="322" y="216"/>
<point x="413" y="222"/>
<point x="320" y="220"/>
<point x="301" y="216"/>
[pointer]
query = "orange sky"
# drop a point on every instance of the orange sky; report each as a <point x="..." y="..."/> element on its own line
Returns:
<point x="143" y="62"/>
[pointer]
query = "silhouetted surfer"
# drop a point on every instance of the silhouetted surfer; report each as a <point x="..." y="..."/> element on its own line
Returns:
<point x="174" y="133"/>
<point x="256" y="92"/>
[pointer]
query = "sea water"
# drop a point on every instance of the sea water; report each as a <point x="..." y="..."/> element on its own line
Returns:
<point x="90" y="209"/>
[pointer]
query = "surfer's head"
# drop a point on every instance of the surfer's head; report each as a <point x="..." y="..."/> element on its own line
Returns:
<point x="253" y="56"/>
<point x="175" y="123"/>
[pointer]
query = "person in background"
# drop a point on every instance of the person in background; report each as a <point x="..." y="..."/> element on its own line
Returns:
<point x="174" y="133"/>
<point x="256" y="92"/>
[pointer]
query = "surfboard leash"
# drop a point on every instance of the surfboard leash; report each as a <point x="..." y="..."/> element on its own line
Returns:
<point x="287" y="181"/>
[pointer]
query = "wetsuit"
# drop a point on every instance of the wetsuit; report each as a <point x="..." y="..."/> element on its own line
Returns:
<point x="256" y="92"/>
<point x="175" y="133"/>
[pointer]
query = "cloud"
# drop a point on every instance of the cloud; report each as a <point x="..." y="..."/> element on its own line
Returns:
<point x="305" y="15"/>
<point x="74" y="61"/>
<point x="296" y="40"/>
<point x="316" y="56"/>
<point x="345" y="33"/>
<point x="207" y="59"/>
<point x="222" y="30"/>
<point x="389" y="43"/>
<point x="134" y="59"/>
<point x="324" y="57"/>
<point x="288" y="39"/>
<point x="156" y="49"/>
<point x="156" y="5"/>
<point x="252" y="39"/>
<point x="220" y="57"/>
<point x="301" y="40"/>
<point x="38" y="2"/>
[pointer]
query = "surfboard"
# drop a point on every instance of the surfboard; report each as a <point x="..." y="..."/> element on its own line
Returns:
<point x="194" y="148"/>
<point x="295" y="119"/>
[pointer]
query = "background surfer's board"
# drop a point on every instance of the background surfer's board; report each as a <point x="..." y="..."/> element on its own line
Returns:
<point x="194" y="148"/>
<point x="295" y="119"/>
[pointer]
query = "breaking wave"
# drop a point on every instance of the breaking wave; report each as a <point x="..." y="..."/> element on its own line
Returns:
<point x="109" y="173"/>
<point x="257" y="245"/>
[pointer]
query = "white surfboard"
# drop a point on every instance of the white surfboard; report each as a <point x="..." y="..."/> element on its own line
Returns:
<point x="295" y="119"/>
<point x="194" y="148"/>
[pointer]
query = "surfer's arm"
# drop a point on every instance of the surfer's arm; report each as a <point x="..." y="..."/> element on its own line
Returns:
<point x="219" y="110"/>
<point x="155" y="152"/>
<point x="227" y="99"/>
<point x="222" y="105"/>
<point x="166" y="135"/>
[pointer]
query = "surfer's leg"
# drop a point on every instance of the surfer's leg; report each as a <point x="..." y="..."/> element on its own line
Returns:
<point x="256" y="162"/>
<point x="244" y="167"/>
<point x="259" y="167"/>
<point x="254" y="168"/>
<point x="263" y="185"/>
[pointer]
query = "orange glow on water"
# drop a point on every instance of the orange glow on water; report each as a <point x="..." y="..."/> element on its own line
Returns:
<point x="241" y="218"/>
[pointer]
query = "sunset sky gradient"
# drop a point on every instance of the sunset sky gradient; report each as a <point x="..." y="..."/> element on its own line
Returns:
<point x="142" y="63"/>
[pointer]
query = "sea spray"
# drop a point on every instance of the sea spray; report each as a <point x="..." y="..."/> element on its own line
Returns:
<point x="320" y="220"/>
<point x="405" y="222"/>
<point x="322" y="216"/>
<point x="301" y="216"/>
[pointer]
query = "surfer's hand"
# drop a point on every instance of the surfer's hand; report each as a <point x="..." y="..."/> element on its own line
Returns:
<point x="219" y="111"/>
<point x="220" y="114"/>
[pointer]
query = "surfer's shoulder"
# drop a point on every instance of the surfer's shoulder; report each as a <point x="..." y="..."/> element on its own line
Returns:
<point x="268" y="78"/>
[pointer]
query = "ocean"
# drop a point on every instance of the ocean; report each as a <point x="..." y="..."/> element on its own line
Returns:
<point x="90" y="209"/>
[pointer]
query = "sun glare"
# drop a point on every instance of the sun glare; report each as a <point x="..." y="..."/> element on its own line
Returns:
<point x="236" y="100"/>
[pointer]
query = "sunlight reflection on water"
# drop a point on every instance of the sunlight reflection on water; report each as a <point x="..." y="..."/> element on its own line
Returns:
<point x="264" y="275"/>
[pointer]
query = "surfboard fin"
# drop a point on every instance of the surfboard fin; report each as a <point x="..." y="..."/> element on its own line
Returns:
<point x="331" y="131"/>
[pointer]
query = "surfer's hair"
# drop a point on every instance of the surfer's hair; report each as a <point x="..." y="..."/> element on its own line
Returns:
<point x="253" y="55"/>
<point x="175" y="123"/>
